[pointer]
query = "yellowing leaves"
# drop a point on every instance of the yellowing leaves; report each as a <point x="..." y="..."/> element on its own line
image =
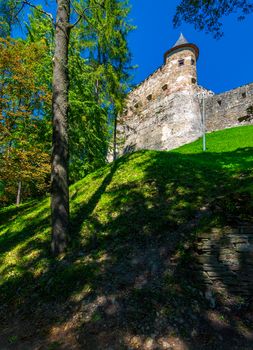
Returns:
<point x="24" y="97"/>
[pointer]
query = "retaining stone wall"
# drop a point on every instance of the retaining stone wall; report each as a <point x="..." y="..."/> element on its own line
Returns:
<point x="224" y="259"/>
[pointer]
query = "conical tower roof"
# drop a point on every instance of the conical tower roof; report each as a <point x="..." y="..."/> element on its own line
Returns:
<point x="181" y="41"/>
<point x="181" y="44"/>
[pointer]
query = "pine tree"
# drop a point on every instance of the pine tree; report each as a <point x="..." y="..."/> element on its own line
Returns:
<point x="106" y="32"/>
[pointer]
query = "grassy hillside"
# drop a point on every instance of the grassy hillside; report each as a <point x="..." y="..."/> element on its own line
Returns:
<point x="130" y="221"/>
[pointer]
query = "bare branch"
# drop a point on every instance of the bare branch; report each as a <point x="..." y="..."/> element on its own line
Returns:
<point x="27" y="2"/>
<point x="83" y="14"/>
<point x="18" y="12"/>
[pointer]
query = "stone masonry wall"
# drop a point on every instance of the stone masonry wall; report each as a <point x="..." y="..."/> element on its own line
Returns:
<point x="229" y="108"/>
<point x="224" y="259"/>
<point x="162" y="113"/>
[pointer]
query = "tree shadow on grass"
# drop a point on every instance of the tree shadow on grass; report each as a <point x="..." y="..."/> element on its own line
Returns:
<point x="10" y="212"/>
<point x="134" y="285"/>
<point x="83" y="212"/>
<point x="148" y="291"/>
<point x="12" y="238"/>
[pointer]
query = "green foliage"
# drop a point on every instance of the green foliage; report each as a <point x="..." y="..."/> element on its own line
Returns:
<point x="207" y="15"/>
<point x="9" y="10"/>
<point x="40" y="28"/>
<point x="101" y="37"/>
<point x="97" y="89"/>
<point x="97" y="85"/>
<point x="24" y="98"/>
<point x="88" y="121"/>
<point x="105" y="33"/>
<point x="1" y="188"/>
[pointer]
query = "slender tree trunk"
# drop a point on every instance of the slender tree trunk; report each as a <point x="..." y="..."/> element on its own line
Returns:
<point x="59" y="170"/>
<point x="97" y="81"/>
<point x="115" y="138"/>
<point x="18" y="200"/>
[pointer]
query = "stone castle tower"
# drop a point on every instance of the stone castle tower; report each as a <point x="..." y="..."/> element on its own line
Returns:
<point x="163" y="112"/>
<point x="180" y="63"/>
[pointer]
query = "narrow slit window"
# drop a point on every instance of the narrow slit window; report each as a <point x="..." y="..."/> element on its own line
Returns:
<point x="181" y="63"/>
<point x="149" y="97"/>
<point x="219" y="102"/>
<point x="192" y="62"/>
<point x="165" y="87"/>
<point x="244" y="95"/>
<point x="194" y="81"/>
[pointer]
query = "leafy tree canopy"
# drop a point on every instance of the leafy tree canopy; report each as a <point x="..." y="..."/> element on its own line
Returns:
<point x="207" y="14"/>
<point x="98" y="67"/>
<point x="24" y="99"/>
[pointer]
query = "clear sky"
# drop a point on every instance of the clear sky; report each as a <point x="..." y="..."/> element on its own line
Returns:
<point x="223" y="64"/>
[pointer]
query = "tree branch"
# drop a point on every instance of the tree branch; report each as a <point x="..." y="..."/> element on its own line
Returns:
<point x="27" y="2"/>
<point x="83" y="14"/>
<point x="18" y="12"/>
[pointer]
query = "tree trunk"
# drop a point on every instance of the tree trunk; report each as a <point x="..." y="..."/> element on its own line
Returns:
<point x="59" y="165"/>
<point x="18" y="200"/>
<point x="115" y="138"/>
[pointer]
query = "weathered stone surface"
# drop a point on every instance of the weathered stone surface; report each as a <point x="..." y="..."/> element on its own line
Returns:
<point x="163" y="112"/>
<point x="229" y="108"/>
<point x="226" y="259"/>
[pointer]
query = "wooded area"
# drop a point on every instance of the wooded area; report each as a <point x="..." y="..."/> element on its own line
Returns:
<point x="80" y="61"/>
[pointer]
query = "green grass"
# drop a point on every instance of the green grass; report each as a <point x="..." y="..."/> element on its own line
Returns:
<point x="227" y="140"/>
<point x="141" y="198"/>
<point x="220" y="145"/>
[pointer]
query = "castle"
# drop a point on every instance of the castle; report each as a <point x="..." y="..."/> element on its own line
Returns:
<point x="164" y="111"/>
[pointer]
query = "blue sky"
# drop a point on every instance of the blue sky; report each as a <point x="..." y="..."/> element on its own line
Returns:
<point x="223" y="64"/>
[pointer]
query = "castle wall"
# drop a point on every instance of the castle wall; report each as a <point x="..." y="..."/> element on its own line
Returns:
<point x="161" y="125"/>
<point x="172" y="117"/>
<point x="162" y="113"/>
<point x="229" y="109"/>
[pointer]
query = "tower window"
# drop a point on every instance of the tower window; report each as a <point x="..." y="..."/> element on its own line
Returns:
<point x="181" y="63"/>
<point x="219" y="102"/>
<point x="244" y="95"/>
<point x="149" y="97"/>
<point x="193" y="81"/>
<point x="192" y="62"/>
<point x="165" y="87"/>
